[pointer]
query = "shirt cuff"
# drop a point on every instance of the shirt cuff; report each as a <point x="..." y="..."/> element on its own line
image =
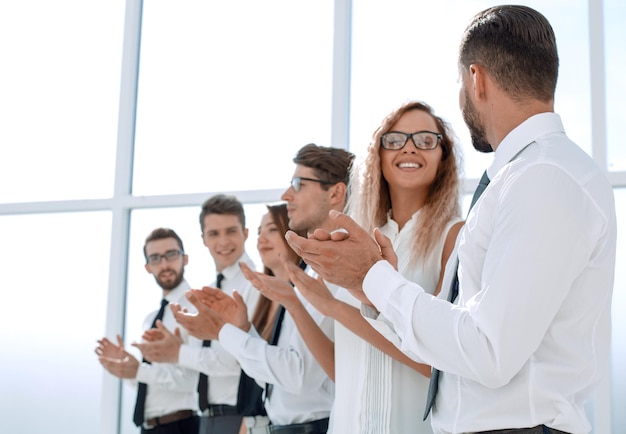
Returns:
<point x="375" y="280"/>
<point x="188" y="355"/>
<point x="143" y="373"/>
<point x="232" y="338"/>
<point x="390" y="292"/>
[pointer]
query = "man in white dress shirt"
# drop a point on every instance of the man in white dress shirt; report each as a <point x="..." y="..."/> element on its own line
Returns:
<point x="526" y="341"/>
<point x="224" y="233"/>
<point x="302" y="394"/>
<point x="167" y="402"/>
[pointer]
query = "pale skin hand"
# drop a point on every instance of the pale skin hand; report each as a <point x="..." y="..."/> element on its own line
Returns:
<point x="281" y="291"/>
<point x="160" y="345"/>
<point x="206" y="324"/>
<point x="316" y="291"/>
<point x="232" y="310"/>
<point x="272" y="287"/>
<point x="115" y="359"/>
<point x="343" y="258"/>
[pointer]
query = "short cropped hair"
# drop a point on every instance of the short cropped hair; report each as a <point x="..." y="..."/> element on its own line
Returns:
<point x="161" y="234"/>
<point x="517" y="47"/>
<point x="222" y="204"/>
<point x="330" y="164"/>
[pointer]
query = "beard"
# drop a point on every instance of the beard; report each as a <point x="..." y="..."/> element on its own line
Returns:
<point x="476" y="129"/>
<point x="168" y="284"/>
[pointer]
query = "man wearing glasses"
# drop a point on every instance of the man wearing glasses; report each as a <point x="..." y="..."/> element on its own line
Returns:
<point x="166" y="393"/>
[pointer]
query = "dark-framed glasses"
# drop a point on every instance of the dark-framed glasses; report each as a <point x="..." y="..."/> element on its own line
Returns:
<point x="169" y="256"/>
<point x="395" y="140"/>
<point x="296" y="183"/>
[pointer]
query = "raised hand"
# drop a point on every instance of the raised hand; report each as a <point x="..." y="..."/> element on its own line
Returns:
<point x="160" y="345"/>
<point x="232" y="310"/>
<point x="115" y="359"/>
<point x="272" y="287"/>
<point x="313" y="289"/>
<point x="206" y="324"/>
<point x="340" y="258"/>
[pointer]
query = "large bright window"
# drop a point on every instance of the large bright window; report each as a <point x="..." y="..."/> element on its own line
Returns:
<point x="407" y="50"/>
<point x="229" y="91"/>
<point x="59" y="87"/>
<point x="615" y="64"/>
<point x="55" y="282"/>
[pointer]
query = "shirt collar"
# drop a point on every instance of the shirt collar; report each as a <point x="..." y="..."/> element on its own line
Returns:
<point x="178" y="292"/>
<point x="393" y="225"/>
<point x="523" y="135"/>
<point x="230" y="271"/>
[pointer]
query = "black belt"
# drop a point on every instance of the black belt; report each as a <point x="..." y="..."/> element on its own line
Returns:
<point x="220" y="410"/>
<point x="539" y="429"/>
<point x="168" y="418"/>
<point x="319" y="426"/>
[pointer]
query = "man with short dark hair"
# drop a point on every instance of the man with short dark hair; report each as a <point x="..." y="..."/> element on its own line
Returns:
<point x="166" y="393"/>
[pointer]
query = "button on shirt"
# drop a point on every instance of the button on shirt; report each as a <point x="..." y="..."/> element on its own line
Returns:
<point x="529" y="336"/>
<point x="301" y="389"/>
<point x="171" y="387"/>
<point x="221" y="367"/>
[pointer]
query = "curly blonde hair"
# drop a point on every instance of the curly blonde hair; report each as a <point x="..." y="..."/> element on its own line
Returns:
<point x="369" y="201"/>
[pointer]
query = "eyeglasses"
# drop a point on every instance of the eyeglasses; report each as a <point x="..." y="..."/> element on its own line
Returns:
<point x="395" y="140"/>
<point x="296" y="182"/>
<point x="169" y="256"/>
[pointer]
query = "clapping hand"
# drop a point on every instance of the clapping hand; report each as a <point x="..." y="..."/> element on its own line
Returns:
<point x="160" y="345"/>
<point x="344" y="256"/>
<point x="115" y="359"/>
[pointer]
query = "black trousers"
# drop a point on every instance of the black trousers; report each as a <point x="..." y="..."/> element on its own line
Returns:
<point x="191" y="425"/>
<point x="220" y="424"/>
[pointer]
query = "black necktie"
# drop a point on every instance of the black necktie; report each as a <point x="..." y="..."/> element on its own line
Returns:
<point x="278" y="323"/>
<point x="454" y="292"/>
<point x="142" y="388"/>
<point x="203" y="381"/>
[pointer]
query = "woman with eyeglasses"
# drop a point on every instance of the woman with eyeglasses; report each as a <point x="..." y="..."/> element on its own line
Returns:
<point x="408" y="185"/>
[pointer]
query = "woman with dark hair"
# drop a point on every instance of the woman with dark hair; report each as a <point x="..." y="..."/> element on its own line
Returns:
<point x="273" y="249"/>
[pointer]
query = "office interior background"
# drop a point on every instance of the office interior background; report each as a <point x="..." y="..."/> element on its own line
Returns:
<point x="117" y="117"/>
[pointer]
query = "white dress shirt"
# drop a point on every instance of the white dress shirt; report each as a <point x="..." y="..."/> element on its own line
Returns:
<point x="301" y="390"/>
<point x="171" y="387"/>
<point x="529" y="336"/>
<point x="388" y="392"/>
<point x="219" y="365"/>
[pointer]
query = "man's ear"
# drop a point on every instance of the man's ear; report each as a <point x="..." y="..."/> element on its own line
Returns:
<point x="338" y="193"/>
<point x="478" y="76"/>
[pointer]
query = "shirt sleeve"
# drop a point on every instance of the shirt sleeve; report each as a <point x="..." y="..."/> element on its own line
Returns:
<point x="167" y="376"/>
<point x="289" y="364"/>
<point x="514" y="275"/>
<point x="212" y="361"/>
